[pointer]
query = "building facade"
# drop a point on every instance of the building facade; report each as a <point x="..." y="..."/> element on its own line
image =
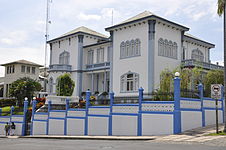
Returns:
<point x="134" y="55"/>
<point x="18" y="69"/>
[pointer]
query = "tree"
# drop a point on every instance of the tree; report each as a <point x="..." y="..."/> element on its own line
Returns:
<point x="213" y="77"/>
<point x="222" y="10"/>
<point x="65" y="85"/>
<point x="24" y="87"/>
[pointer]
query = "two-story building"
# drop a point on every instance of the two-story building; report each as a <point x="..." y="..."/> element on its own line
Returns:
<point x="18" y="69"/>
<point x="134" y="55"/>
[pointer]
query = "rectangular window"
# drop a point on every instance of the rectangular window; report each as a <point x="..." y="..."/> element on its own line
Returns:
<point x="109" y="53"/>
<point x="28" y="69"/>
<point x="13" y="69"/>
<point x="69" y="41"/>
<point x="59" y="44"/>
<point x="100" y="55"/>
<point x="90" y="57"/>
<point x="23" y="69"/>
<point x="10" y="69"/>
<point x="7" y="70"/>
<point x="33" y="70"/>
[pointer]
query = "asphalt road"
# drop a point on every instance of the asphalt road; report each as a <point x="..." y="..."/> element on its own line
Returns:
<point x="60" y="144"/>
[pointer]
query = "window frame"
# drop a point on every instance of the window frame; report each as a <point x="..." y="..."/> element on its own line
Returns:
<point x="129" y="84"/>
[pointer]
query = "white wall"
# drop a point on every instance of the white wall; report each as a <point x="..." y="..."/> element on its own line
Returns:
<point x="39" y="128"/>
<point x="133" y="64"/>
<point x="211" y="117"/>
<point x="98" y="125"/>
<point x="162" y="63"/>
<point x="124" y="125"/>
<point x="56" y="127"/>
<point x="75" y="126"/>
<point x="157" y="124"/>
<point x="190" y="120"/>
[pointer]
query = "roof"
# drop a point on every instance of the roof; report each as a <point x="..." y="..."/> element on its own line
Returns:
<point x="83" y="30"/>
<point x="22" y="62"/>
<point x="195" y="39"/>
<point x="142" y="16"/>
<point x="95" y="44"/>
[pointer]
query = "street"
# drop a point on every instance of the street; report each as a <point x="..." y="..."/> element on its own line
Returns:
<point x="62" y="144"/>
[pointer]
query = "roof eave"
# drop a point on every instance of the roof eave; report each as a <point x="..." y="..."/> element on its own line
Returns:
<point x="210" y="45"/>
<point x="148" y="17"/>
<point x="80" y="32"/>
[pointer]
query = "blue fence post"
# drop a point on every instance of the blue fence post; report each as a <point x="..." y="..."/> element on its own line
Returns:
<point x="0" y="111"/>
<point x="200" y="88"/>
<point x="24" y="117"/>
<point x="177" y="112"/>
<point x="11" y="113"/>
<point x="222" y="101"/>
<point x="34" y="102"/>
<point x="65" y="121"/>
<point x="110" y="115"/>
<point x="88" y="94"/>
<point x="139" y="126"/>
<point x="47" y="123"/>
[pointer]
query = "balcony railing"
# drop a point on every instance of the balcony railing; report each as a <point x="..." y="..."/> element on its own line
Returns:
<point x="103" y="65"/>
<point x="59" y="67"/>
<point x="204" y="65"/>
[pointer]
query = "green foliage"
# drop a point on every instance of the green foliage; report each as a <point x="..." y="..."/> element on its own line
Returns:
<point x="7" y="102"/>
<point x="220" y="8"/>
<point x="24" y="87"/>
<point x="65" y="85"/>
<point x="213" y="77"/>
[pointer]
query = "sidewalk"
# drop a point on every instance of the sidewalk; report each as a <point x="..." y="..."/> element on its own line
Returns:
<point x="198" y="134"/>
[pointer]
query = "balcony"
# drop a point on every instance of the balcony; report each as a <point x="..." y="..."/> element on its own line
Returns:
<point x="104" y="65"/>
<point x="59" y="67"/>
<point x="204" y="65"/>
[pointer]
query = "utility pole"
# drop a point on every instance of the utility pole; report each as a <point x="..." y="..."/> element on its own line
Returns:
<point x="46" y="39"/>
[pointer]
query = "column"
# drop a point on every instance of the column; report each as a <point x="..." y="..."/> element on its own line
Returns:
<point x="92" y="85"/>
<point x="151" y="54"/>
<point x="80" y="64"/>
<point x="200" y="88"/>
<point x="111" y="61"/>
<point x="104" y="81"/>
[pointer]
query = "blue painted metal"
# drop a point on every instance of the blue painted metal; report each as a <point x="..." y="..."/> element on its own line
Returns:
<point x="11" y="113"/>
<point x="57" y="118"/>
<point x="189" y="109"/>
<point x="177" y="112"/>
<point x="189" y="99"/>
<point x="0" y="111"/>
<point x="222" y="102"/>
<point x="88" y="94"/>
<point x="200" y="88"/>
<point x="139" y="125"/>
<point x="99" y="107"/>
<point x="66" y="112"/>
<point x="24" y="118"/>
<point x="34" y="102"/>
<point x="77" y="109"/>
<point x="47" y="123"/>
<point x="110" y="113"/>
<point x="40" y="120"/>
<point x="74" y="117"/>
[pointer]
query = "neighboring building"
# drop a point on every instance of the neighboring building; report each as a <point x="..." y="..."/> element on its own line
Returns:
<point x="18" y="69"/>
<point x="134" y="55"/>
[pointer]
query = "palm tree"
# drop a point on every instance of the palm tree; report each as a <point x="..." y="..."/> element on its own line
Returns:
<point x="222" y="10"/>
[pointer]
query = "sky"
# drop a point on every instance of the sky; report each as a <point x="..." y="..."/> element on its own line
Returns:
<point x="22" y="22"/>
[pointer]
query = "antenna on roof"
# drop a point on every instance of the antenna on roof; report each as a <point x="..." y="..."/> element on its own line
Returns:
<point x="46" y="37"/>
<point x="112" y="18"/>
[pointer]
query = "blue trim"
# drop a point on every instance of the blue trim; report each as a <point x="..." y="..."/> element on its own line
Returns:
<point x="92" y="115"/>
<point x="24" y="119"/>
<point x="189" y="99"/>
<point x="65" y="120"/>
<point x="200" y="88"/>
<point x="0" y="111"/>
<point x="158" y="102"/>
<point x="125" y="104"/>
<point x="17" y="115"/>
<point x="18" y="122"/>
<point x="47" y="123"/>
<point x="56" y="118"/>
<point x="3" y="122"/>
<point x="99" y="107"/>
<point x="79" y="109"/>
<point x="69" y="117"/>
<point x="210" y="108"/>
<point x="157" y="112"/>
<point x="188" y="109"/>
<point x="208" y="99"/>
<point x="110" y="113"/>
<point x="41" y="113"/>
<point x="88" y="93"/>
<point x="5" y="116"/>
<point x="177" y="112"/>
<point x="33" y="114"/>
<point x="40" y="120"/>
<point x="58" y="111"/>
<point x="125" y="114"/>
<point x="139" y="121"/>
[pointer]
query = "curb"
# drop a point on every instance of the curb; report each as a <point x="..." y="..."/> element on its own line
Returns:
<point x="92" y="137"/>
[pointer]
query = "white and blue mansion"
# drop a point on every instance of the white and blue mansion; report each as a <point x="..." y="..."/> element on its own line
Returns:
<point x="134" y="55"/>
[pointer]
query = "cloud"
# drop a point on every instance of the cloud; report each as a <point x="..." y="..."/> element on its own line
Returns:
<point x="83" y="16"/>
<point x="14" y="38"/>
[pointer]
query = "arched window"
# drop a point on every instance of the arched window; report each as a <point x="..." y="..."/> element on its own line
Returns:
<point x="122" y="50"/>
<point x="51" y="85"/>
<point x="197" y="55"/>
<point x="130" y="48"/>
<point x="64" y="58"/>
<point x="129" y="82"/>
<point x="167" y="48"/>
